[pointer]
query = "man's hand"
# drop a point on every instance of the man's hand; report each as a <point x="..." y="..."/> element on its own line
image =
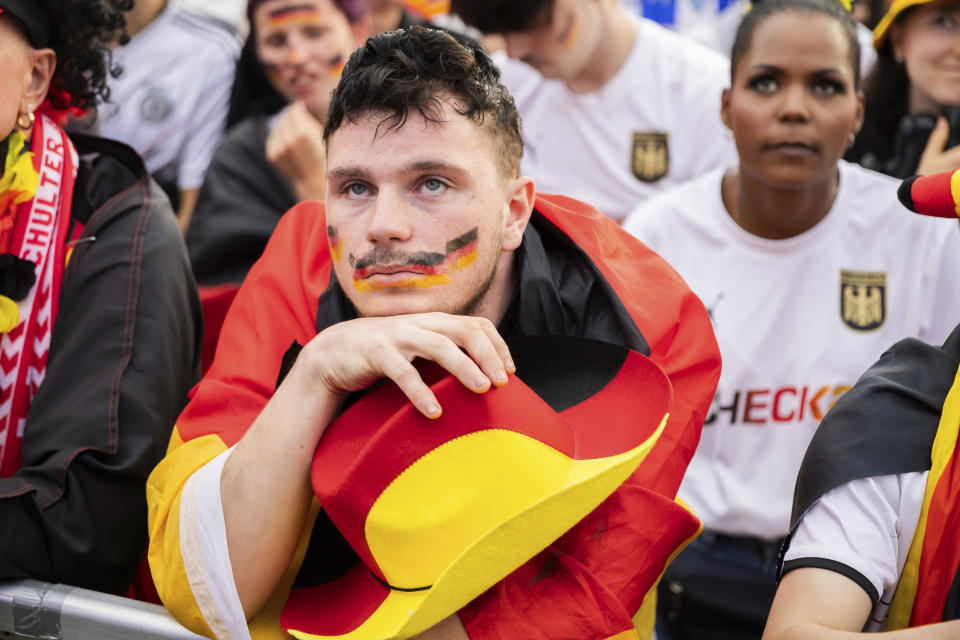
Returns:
<point x="351" y="355"/>
<point x="295" y="149"/>
<point x="449" y="628"/>
<point x="936" y="159"/>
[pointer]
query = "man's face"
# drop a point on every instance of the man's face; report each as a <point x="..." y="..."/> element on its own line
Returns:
<point x="303" y="45"/>
<point x="561" y="46"/>
<point x="421" y="218"/>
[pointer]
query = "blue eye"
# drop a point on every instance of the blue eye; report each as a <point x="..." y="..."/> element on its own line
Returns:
<point x="433" y="185"/>
<point x="354" y="189"/>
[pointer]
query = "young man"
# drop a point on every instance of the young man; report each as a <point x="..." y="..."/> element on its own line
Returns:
<point x="423" y="156"/>
<point x="615" y="108"/>
<point x="873" y="545"/>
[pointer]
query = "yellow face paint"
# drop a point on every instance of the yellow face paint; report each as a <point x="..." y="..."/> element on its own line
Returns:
<point x="425" y="269"/>
<point x="336" y="245"/>
<point x="413" y="281"/>
<point x="573" y="35"/>
<point x="304" y="15"/>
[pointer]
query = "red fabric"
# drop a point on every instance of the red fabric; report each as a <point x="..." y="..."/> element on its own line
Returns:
<point x="622" y="547"/>
<point x="215" y="301"/>
<point x="932" y="196"/>
<point x="940" y="555"/>
<point x="593" y="580"/>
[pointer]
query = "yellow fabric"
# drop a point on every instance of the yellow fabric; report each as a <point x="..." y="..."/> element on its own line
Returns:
<point x="19" y="178"/>
<point x="9" y="314"/>
<point x="943" y="447"/>
<point x="505" y="545"/>
<point x="955" y="190"/>
<point x="625" y="635"/>
<point x="164" y="488"/>
<point x="896" y="8"/>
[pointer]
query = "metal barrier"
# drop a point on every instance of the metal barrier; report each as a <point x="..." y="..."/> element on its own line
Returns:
<point x="34" y="609"/>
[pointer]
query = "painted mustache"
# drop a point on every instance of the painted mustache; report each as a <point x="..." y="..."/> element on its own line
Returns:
<point x="426" y="268"/>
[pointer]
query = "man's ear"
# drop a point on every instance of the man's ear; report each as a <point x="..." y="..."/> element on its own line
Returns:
<point x="520" y="193"/>
<point x="41" y="72"/>
<point x="725" y="109"/>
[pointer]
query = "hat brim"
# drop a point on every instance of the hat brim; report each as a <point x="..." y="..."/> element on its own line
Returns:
<point x="359" y="606"/>
<point x="880" y="31"/>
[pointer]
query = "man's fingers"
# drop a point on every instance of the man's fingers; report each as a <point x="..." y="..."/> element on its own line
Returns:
<point x="406" y="376"/>
<point x="480" y="339"/>
<point x="443" y="350"/>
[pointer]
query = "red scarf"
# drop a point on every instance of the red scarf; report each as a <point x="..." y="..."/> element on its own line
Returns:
<point x="38" y="235"/>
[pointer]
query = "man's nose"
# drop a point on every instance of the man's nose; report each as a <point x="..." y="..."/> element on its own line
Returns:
<point x="390" y="219"/>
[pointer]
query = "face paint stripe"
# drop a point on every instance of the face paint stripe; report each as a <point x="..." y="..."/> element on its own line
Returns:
<point x="462" y="241"/>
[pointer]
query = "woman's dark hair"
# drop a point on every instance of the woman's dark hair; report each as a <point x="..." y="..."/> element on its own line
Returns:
<point x="81" y="33"/>
<point x="418" y="68"/>
<point x="886" y="91"/>
<point x="763" y="9"/>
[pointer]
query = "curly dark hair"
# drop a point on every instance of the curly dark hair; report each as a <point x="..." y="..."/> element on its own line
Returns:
<point x="417" y="68"/>
<point x="503" y="16"/>
<point x="81" y="33"/>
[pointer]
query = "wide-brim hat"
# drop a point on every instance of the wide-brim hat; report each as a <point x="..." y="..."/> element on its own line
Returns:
<point x="438" y="511"/>
<point x="937" y="194"/>
<point x="896" y="8"/>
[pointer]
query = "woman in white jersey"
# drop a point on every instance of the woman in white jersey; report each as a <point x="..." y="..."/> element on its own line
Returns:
<point x="799" y="258"/>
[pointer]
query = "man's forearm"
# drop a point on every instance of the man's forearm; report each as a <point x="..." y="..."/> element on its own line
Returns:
<point x="266" y="490"/>
<point x="815" y="631"/>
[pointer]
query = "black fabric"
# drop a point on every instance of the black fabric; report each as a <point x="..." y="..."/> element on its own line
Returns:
<point x="31" y="15"/>
<point x="560" y="292"/>
<point x="124" y="353"/>
<point x="241" y="200"/>
<point x="951" y="608"/>
<point x="836" y="567"/>
<point x="884" y="425"/>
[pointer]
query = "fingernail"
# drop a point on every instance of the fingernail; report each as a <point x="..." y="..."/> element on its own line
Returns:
<point x="512" y="368"/>
<point x="500" y="377"/>
<point x="482" y="381"/>
<point x="433" y="410"/>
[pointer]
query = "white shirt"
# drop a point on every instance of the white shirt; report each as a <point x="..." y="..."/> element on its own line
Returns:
<point x="582" y="145"/>
<point x="777" y="308"/>
<point x="171" y="102"/>
<point x="867" y="525"/>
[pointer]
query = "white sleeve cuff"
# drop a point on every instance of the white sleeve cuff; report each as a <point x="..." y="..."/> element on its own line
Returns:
<point x="203" y="545"/>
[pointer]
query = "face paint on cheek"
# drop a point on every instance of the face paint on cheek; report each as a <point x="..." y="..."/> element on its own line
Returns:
<point x="273" y="73"/>
<point x="421" y="270"/>
<point x="337" y="65"/>
<point x="336" y="245"/>
<point x="572" y="34"/>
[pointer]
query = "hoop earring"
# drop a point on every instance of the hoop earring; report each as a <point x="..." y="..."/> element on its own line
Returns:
<point x="30" y="120"/>
<point x="898" y="57"/>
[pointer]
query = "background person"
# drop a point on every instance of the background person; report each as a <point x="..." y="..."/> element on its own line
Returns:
<point x="912" y="121"/>
<point x="873" y="543"/>
<point x="170" y="103"/>
<point x="798" y="257"/>
<point x="423" y="155"/>
<point x="615" y="108"/>
<point x="100" y="318"/>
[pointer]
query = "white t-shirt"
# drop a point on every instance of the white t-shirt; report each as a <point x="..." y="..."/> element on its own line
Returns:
<point x="171" y="102"/>
<point x="798" y="321"/>
<point x="867" y="526"/>
<point x="658" y="115"/>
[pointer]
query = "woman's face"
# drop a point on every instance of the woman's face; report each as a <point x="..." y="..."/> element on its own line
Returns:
<point x="303" y="45"/>
<point x="16" y="74"/>
<point x="928" y="40"/>
<point x="792" y="107"/>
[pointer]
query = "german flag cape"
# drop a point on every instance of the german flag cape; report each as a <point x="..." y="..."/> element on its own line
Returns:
<point x="928" y="587"/>
<point x="580" y="275"/>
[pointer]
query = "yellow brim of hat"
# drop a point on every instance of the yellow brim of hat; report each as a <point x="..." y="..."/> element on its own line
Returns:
<point x="896" y="8"/>
<point x="516" y="528"/>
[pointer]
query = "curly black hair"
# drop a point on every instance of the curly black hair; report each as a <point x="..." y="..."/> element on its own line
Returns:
<point x="82" y="31"/>
<point x="416" y="68"/>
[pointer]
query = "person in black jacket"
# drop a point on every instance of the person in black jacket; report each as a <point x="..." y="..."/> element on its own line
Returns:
<point x="99" y="315"/>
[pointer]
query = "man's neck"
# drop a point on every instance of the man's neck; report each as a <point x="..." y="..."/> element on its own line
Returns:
<point x="143" y="13"/>
<point x="619" y="30"/>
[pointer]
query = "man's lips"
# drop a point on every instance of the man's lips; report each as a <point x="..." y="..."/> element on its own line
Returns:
<point x="390" y="270"/>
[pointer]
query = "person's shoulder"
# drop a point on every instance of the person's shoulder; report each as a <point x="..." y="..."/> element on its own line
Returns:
<point x="682" y="56"/>
<point x="211" y="36"/>
<point x="688" y="204"/>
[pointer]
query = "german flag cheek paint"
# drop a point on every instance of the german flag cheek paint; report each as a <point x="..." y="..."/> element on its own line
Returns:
<point x="336" y="245"/>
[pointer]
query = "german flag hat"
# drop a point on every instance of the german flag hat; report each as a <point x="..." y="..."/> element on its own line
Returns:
<point x="937" y="194"/>
<point x="438" y="511"/>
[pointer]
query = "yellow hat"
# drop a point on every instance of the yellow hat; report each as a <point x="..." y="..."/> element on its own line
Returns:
<point x="438" y="511"/>
<point x="896" y="8"/>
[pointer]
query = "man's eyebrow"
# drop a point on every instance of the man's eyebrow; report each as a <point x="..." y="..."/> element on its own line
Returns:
<point x="422" y="166"/>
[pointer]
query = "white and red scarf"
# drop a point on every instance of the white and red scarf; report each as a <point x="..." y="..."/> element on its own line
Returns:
<point x="38" y="235"/>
